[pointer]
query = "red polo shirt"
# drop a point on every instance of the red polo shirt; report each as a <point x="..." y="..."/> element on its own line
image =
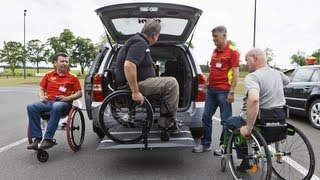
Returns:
<point x="55" y="85"/>
<point x="221" y="65"/>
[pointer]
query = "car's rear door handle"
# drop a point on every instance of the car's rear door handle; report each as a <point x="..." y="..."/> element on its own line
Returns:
<point x="307" y="87"/>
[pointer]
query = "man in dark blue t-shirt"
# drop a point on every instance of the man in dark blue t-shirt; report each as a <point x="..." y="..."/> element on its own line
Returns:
<point x="135" y="68"/>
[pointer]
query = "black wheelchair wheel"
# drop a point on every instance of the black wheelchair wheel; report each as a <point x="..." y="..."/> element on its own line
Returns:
<point x="254" y="150"/>
<point x="292" y="156"/>
<point x="42" y="155"/>
<point x="75" y="129"/>
<point x="29" y="136"/>
<point x="223" y="163"/>
<point x="164" y="136"/>
<point x="123" y="120"/>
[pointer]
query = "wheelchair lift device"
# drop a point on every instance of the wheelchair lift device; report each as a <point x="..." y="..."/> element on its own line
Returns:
<point x="181" y="139"/>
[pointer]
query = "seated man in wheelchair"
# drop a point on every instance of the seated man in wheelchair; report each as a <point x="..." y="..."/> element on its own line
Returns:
<point x="58" y="88"/>
<point x="136" y="69"/>
<point x="264" y="99"/>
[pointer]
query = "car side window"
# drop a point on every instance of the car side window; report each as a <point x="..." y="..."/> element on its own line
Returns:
<point x="316" y="76"/>
<point x="303" y="75"/>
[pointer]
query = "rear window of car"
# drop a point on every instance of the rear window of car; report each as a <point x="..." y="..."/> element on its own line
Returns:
<point x="303" y="75"/>
<point x="316" y="76"/>
<point x="171" y="26"/>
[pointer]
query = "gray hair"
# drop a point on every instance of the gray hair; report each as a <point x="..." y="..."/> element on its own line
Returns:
<point x="220" y="29"/>
<point x="151" y="27"/>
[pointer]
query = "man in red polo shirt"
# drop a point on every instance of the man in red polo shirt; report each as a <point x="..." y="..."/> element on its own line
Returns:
<point x="222" y="81"/>
<point x="58" y="88"/>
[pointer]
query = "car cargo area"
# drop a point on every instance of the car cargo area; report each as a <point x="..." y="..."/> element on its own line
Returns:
<point x="172" y="61"/>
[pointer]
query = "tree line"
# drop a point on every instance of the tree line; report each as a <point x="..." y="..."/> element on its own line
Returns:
<point x="300" y="58"/>
<point x="82" y="51"/>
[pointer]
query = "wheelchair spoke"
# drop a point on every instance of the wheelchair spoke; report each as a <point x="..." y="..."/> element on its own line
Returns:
<point x="122" y="119"/>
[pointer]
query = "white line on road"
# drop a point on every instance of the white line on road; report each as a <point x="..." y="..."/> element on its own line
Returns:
<point x="13" y="145"/>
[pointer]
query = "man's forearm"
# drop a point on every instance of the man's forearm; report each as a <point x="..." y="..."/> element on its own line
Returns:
<point x="252" y="107"/>
<point x="235" y="78"/>
<point x="41" y="92"/>
<point x="130" y="72"/>
<point x="76" y="95"/>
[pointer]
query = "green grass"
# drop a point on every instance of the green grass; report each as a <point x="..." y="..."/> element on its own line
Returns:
<point x="21" y="81"/>
<point x="31" y="79"/>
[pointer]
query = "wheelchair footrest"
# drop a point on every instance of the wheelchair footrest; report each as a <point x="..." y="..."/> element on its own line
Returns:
<point x="182" y="139"/>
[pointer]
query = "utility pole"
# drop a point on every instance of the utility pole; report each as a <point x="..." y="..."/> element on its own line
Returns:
<point x="254" y="23"/>
<point x="24" y="44"/>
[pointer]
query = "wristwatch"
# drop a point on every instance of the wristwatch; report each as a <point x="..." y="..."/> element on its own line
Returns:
<point x="231" y="92"/>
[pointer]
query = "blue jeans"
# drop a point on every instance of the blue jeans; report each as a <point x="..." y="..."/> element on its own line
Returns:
<point x="233" y="123"/>
<point x="214" y="98"/>
<point x="34" y="111"/>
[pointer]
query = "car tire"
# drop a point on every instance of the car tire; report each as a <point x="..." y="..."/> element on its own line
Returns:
<point x="97" y="130"/>
<point x="314" y="113"/>
<point x="196" y="132"/>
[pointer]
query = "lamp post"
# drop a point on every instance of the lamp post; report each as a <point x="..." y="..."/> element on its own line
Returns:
<point x="24" y="44"/>
<point x="254" y="24"/>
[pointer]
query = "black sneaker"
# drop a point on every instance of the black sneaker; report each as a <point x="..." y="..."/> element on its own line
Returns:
<point x="174" y="128"/>
<point x="47" y="143"/>
<point x="244" y="166"/>
<point x="34" y="144"/>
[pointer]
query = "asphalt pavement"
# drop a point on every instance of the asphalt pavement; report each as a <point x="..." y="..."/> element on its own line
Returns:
<point x="19" y="163"/>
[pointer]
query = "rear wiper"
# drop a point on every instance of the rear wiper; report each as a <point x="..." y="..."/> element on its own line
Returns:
<point x="108" y="36"/>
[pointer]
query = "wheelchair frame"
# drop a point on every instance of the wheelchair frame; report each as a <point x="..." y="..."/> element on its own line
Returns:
<point x="277" y="153"/>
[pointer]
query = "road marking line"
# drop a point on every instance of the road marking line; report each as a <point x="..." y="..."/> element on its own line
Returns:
<point x="216" y="118"/>
<point x="291" y="162"/>
<point x="296" y="165"/>
<point x="13" y="145"/>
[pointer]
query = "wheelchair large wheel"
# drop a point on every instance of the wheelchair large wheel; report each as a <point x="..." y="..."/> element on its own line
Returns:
<point x="293" y="157"/>
<point x="75" y="128"/>
<point x="123" y="120"/>
<point x="255" y="151"/>
<point x="29" y="136"/>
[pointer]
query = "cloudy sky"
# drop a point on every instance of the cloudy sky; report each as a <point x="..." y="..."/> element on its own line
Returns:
<point x="285" y="26"/>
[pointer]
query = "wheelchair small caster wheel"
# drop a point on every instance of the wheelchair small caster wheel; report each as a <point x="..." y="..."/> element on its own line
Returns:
<point x="42" y="155"/>
<point x="164" y="136"/>
<point x="223" y="163"/>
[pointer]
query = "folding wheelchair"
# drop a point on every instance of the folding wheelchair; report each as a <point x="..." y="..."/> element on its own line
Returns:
<point x="74" y="127"/>
<point x="281" y="149"/>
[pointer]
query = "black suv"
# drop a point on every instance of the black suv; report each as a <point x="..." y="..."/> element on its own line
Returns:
<point x="303" y="92"/>
<point x="171" y="55"/>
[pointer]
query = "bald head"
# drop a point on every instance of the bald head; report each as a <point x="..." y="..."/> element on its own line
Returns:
<point x="255" y="59"/>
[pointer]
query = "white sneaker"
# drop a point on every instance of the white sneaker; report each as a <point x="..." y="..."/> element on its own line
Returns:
<point x="219" y="151"/>
<point x="200" y="148"/>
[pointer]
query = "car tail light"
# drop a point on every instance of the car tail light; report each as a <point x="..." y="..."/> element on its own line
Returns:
<point x="201" y="91"/>
<point x="97" y="88"/>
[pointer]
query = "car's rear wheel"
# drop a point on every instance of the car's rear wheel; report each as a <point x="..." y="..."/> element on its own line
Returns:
<point x="314" y="113"/>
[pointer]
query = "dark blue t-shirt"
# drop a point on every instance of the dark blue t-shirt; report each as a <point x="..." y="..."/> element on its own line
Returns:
<point x="135" y="50"/>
